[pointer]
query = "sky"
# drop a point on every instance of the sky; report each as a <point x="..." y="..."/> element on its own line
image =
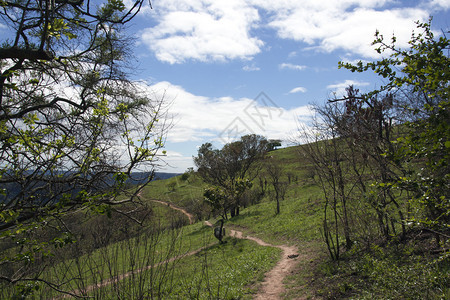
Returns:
<point x="235" y="67"/>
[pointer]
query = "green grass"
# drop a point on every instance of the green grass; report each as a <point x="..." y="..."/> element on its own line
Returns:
<point x="229" y="268"/>
<point x="183" y="191"/>
<point x="164" y="215"/>
<point x="297" y="224"/>
<point x="221" y="271"/>
<point x="225" y="271"/>
<point x="234" y="269"/>
<point x="300" y="223"/>
<point x="148" y="248"/>
<point x="387" y="276"/>
<point x="299" y="218"/>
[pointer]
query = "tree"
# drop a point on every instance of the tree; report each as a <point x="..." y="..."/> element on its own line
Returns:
<point x="346" y="148"/>
<point x="422" y="74"/>
<point x="231" y="169"/>
<point x="328" y="156"/>
<point x="73" y="128"/>
<point x="273" y="144"/>
<point x="387" y="151"/>
<point x="223" y="199"/>
<point x="367" y="126"/>
<point x="275" y="174"/>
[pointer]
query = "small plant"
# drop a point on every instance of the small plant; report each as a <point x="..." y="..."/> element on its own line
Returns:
<point x="171" y="186"/>
<point x="185" y="176"/>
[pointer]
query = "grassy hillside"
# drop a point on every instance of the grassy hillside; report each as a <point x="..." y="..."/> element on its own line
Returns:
<point x="167" y="258"/>
<point x="181" y="263"/>
<point x="184" y="190"/>
<point x="398" y="265"/>
<point x="297" y="224"/>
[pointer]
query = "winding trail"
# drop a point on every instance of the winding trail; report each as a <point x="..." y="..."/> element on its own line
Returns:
<point x="81" y="292"/>
<point x="173" y="206"/>
<point x="272" y="286"/>
<point x="78" y="293"/>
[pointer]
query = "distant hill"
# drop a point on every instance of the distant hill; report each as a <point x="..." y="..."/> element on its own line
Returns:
<point x="140" y="177"/>
<point x="162" y="175"/>
<point x="13" y="189"/>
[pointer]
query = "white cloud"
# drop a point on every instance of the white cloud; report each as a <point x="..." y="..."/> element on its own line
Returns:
<point x="176" y="162"/>
<point x="338" y="89"/>
<point x="209" y="30"/>
<point x="292" y="54"/>
<point x="346" y="25"/>
<point x="438" y="4"/>
<point x="291" y="66"/>
<point x="203" y="30"/>
<point x="199" y="118"/>
<point x="346" y="83"/>
<point x="299" y="89"/>
<point x="250" y="68"/>
<point x="354" y="61"/>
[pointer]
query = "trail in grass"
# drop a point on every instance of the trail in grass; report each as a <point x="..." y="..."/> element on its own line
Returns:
<point x="81" y="292"/>
<point x="272" y="286"/>
<point x="173" y="206"/>
<point x="125" y="275"/>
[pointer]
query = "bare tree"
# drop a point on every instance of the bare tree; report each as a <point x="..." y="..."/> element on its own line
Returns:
<point x="275" y="173"/>
<point x="348" y="149"/>
<point x="367" y="126"/>
<point x="324" y="151"/>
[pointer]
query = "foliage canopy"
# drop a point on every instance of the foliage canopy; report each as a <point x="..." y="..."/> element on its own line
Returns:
<point x="230" y="170"/>
<point x="73" y="128"/>
<point x="387" y="152"/>
<point x="422" y="73"/>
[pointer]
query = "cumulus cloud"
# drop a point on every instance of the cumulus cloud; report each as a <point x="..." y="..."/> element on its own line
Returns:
<point x="223" y="119"/>
<point x="439" y="4"/>
<point x="250" y="68"/>
<point x="207" y="30"/>
<point x="203" y="30"/>
<point x="344" y="25"/>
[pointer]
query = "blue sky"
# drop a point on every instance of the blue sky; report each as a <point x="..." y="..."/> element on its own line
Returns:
<point x="234" y="67"/>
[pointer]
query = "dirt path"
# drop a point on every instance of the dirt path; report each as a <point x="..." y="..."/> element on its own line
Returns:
<point x="272" y="286"/>
<point x="79" y="293"/>
<point x="173" y="206"/>
<point x="189" y="215"/>
<point x="125" y="275"/>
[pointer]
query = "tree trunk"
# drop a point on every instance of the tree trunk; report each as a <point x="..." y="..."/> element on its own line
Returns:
<point x="232" y="211"/>
<point x="278" y="206"/>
